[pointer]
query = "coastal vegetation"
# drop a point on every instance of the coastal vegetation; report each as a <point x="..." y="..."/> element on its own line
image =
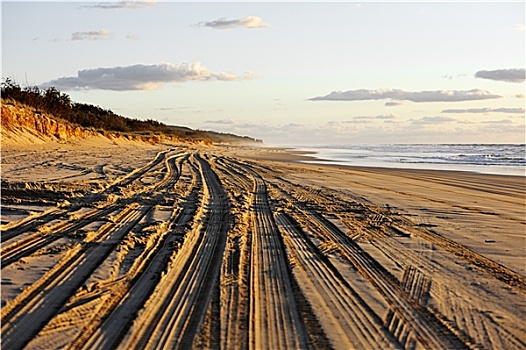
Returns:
<point x="58" y="104"/>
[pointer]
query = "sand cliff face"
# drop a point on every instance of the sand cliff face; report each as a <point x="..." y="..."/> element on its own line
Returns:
<point x="22" y="124"/>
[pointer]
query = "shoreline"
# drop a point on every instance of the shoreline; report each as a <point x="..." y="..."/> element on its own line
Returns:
<point x="316" y="157"/>
<point x="285" y="154"/>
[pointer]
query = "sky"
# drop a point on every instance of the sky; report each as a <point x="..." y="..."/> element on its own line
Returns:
<point x="295" y="73"/>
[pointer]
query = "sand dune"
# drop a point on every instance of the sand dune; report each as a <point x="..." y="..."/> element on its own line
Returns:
<point x="129" y="245"/>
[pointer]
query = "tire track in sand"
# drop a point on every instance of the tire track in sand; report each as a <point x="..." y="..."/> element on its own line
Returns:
<point x="235" y="270"/>
<point x="47" y="235"/>
<point x="33" y="309"/>
<point x="352" y="322"/>
<point x="275" y="319"/>
<point x="423" y="327"/>
<point x="106" y="328"/>
<point x="34" y="222"/>
<point x="173" y="315"/>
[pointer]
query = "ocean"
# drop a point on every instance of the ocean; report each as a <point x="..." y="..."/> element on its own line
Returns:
<point x="501" y="159"/>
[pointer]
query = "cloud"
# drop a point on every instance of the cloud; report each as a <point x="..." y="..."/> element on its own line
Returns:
<point x="358" y="120"/>
<point x="227" y="76"/>
<point x="433" y="120"/>
<point x="141" y="77"/>
<point x="384" y="117"/>
<point x="221" y="121"/>
<point x="518" y="27"/>
<point x="514" y="75"/>
<point x="448" y="76"/>
<point x="401" y="95"/>
<point x="394" y="103"/>
<point x="133" y="37"/>
<point x="92" y="35"/>
<point x="430" y="129"/>
<point x="123" y="4"/>
<point x="389" y="116"/>
<point x="500" y="122"/>
<point x="485" y="110"/>
<point x="250" y="22"/>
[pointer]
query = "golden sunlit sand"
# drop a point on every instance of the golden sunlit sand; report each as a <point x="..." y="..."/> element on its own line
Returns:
<point x="112" y="243"/>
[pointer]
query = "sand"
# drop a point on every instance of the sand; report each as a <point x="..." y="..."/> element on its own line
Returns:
<point x="123" y="244"/>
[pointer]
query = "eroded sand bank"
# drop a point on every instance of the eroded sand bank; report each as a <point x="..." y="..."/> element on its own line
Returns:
<point x="121" y="244"/>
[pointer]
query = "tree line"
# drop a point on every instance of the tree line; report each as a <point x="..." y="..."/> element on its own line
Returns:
<point x="59" y="104"/>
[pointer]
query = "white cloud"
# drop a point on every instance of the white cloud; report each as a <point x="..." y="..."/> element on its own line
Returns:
<point x="227" y="76"/>
<point x="514" y="75"/>
<point x="485" y="110"/>
<point x="402" y="95"/>
<point x="141" y="77"/>
<point x="250" y="22"/>
<point x="92" y="35"/>
<point x="123" y="4"/>
<point x="518" y="27"/>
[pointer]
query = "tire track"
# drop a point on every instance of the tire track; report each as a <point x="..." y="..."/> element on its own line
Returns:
<point x="39" y="304"/>
<point x="403" y="227"/>
<point x="131" y="294"/>
<point x="76" y="266"/>
<point x="38" y="240"/>
<point x="235" y="270"/>
<point x="135" y="174"/>
<point x="32" y="222"/>
<point x="275" y="321"/>
<point x="357" y="326"/>
<point x="424" y="327"/>
<point x="483" y="327"/>
<point x="380" y="230"/>
<point x="172" y="317"/>
<point x="417" y="283"/>
<point x="57" y="213"/>
<point x="275" y="313"/>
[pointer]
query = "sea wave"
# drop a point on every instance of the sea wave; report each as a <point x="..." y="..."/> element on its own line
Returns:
<point x="486" y="158"/>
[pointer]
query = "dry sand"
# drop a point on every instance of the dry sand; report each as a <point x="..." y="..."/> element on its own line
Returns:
<point x="123" y="244"/>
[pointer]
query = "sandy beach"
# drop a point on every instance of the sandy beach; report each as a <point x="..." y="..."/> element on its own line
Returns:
<point x="121" y="244"/>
